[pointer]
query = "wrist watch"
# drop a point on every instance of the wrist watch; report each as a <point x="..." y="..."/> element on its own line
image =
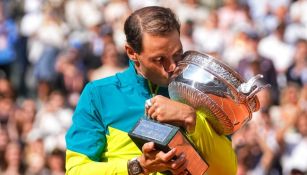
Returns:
<point x="134" y="167"/>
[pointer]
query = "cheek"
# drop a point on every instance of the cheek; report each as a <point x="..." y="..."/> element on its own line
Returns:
<point x="154" y="69"/>
<point x="159" y="71"/>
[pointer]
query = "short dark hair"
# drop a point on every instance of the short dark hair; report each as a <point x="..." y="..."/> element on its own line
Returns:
<point x="154" y="20"/>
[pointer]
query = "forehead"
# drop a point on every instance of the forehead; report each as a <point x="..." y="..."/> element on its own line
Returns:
<point x="154" y="44"/>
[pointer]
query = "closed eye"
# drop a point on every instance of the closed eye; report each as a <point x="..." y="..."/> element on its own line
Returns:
<point x="158" y="59"/>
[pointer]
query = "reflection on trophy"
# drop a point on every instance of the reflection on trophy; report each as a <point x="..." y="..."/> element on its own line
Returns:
<point x="207" y="84"/>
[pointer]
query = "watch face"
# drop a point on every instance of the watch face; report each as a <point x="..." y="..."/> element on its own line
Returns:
<point x="135" y="167"/>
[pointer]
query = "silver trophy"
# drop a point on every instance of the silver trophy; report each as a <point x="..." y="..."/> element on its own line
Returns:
<point x="207" y="84"/>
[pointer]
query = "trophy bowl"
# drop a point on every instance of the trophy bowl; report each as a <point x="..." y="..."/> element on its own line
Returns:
<point x="214" y="88"/>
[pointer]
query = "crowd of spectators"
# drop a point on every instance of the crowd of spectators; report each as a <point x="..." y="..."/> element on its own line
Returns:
<point x="49" y="49"/>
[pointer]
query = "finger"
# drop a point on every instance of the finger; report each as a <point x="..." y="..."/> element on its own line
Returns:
<point x="148" y="103"/>
<point x="146" y="112"/>
<point x="154" y="110"/>
<point x="159" y="99"/>
<point x="179" y="162"/>
<point x="155" y="116"/>
<point x="149" y="150"/>
<point x="184" y="172"/>
<point x="154" y="99"/>
<point x="165" y="157"/>
<point x="148" y="147"/>
<point x="152" y="155"/>
<point x="150" y="111"/>
<point x="181" y="169"/>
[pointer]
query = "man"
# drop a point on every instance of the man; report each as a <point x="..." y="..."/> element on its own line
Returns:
<point x="97" y="142"/>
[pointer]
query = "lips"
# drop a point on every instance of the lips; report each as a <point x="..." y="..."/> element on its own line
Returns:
<point x="174" y="74"/>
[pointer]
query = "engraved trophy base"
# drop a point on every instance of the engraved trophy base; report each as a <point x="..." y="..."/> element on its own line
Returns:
<point x="166" y="137"/>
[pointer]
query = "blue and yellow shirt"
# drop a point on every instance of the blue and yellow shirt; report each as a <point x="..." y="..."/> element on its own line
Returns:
<point x="98" y="141"/>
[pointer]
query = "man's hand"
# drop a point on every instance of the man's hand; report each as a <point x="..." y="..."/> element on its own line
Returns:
<point x="153" y="160"/>
<point x="166" y="110"/>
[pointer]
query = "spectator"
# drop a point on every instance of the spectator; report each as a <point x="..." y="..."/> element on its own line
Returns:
<point x="52" y="121"/>
<point x="61" y="42"/>
<point x="229" y="12"/>
<point x="24" y="117"/>
<point x="34" y="157"/>
<point x="298" y="69"/>
<point x="4" y="140"/>
<point x="280" y="52"/>
<point x="12" y="160"/>
<point x="8" y="38"/>
<point x="186" y="37"/>
<point x="254" y="155"/>
<point x="294" y="152"/>
<point x="7" y="106"/>
<point x="208" y="36"/>
<point x="56" y="162"/>
<point x="303" y="99"/>
<point x="110" y="63"/>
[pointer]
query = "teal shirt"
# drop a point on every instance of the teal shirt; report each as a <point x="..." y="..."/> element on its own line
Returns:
<point x="114" y="102"/>
<point x="98" y="143"/>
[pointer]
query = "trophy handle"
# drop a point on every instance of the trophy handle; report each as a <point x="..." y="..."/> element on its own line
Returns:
<point x="258" y="89"/>
<point x="251" y="88"/>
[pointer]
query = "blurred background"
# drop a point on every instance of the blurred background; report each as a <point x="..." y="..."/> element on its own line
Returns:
<point x="49" y="49"/>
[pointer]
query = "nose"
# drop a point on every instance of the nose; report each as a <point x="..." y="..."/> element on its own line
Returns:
<point x="171" y="66"/>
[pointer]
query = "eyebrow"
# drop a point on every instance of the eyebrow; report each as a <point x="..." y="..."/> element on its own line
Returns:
<point x="179" y="51"/>
<point x="159" y="54"/>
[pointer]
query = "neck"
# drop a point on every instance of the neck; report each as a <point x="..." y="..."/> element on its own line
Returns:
<point x="153" y="88"/>
<point x="139" y="72"/>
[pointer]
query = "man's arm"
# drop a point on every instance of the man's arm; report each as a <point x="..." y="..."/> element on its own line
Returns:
<point x="86" y="146"/>
<point x="216" y="149"/>
<point x="79" y="164"/>
<point x="86" y="141"/>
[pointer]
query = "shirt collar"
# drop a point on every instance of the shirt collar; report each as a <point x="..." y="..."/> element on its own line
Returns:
<point x="130" y="76"/>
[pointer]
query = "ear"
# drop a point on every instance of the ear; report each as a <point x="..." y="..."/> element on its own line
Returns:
<point x="131" y="53"/>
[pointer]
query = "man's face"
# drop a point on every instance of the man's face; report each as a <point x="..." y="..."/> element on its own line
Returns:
<point x="159" y="57"/>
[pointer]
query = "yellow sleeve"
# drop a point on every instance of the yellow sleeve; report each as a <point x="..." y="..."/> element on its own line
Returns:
<point x="79" y="164"/>
<point x="215" y="149"/>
